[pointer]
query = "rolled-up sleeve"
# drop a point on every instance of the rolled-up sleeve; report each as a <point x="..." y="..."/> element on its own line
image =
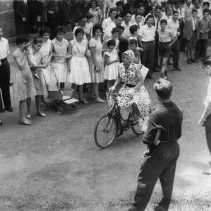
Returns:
<point x="152" y="129"/>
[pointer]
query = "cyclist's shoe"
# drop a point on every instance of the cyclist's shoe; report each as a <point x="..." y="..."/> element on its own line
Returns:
<point x="120" y="132"/>
<point x="135" y="110"/>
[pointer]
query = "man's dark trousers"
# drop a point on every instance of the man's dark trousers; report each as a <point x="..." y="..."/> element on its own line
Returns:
<point x="161" y="163"/>
<point x="148" y="55"/>
<point x="5" y="82"/>
<point x="175" y="48"/>
<point x="208" y="132"/>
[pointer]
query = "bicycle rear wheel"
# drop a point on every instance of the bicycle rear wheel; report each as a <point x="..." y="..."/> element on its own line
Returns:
<point x="105" y="131"/>
<point x="137" y="129"/>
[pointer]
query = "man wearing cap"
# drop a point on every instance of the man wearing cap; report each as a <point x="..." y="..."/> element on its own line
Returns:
<point x="163" y="131"/>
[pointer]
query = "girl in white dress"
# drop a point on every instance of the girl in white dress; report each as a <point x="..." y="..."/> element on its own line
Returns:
<point x="96" y="64"/>
<point x="60" y="56"/>
<point x="46" y="53"/>
<point x="35" y="59"/>
<point x="79" y="66"/>
<point x="111" y="61"/>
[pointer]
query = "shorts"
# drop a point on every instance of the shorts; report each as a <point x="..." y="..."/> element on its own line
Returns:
<point x="164" y="50"/>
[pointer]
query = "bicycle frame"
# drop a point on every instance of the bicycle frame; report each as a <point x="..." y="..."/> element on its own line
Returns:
<point x="122" y="124"/>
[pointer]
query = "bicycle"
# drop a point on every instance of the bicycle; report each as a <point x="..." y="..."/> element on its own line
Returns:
<point x="112" y="125"/>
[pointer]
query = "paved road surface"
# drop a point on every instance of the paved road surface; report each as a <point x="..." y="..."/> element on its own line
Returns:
<point x="55" y="165"/>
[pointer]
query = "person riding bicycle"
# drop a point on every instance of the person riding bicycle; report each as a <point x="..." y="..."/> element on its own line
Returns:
<point x="132" y="96"/>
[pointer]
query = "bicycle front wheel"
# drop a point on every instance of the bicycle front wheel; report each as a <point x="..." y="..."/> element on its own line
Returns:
<point x="105" y="131"/>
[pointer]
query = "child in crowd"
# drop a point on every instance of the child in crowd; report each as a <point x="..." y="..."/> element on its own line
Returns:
<point x="166" y="37"/>
<point x="79" y="66"/>
<point x="115" y="36"/>
<point x="35" y="59"/>
<point x="24" y="79"/>
<point x="133" y="44"/>
<point x="111" y="63"/>
<point x="205" y="119"/>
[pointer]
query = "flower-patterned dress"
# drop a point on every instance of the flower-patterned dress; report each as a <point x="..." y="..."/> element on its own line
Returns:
<point x="141" y="96"/>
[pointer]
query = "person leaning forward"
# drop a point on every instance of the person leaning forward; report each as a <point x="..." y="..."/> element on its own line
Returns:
<point x="160" y="161"/>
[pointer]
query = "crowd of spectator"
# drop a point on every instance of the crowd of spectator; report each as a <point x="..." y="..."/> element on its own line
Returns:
<point x="82" y="42"/>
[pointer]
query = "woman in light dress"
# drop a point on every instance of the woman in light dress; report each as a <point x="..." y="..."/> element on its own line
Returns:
<point x="24" y="79"/>
<point x="79" y="66"/>
<point x="35" y="59"/>
<point x="60" y="47"/>
<point x="46" y="53"/>
<point x="133" y="95"/>
<point x="96" y="65"/>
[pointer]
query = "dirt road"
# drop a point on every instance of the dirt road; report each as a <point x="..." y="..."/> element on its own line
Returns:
<point x="55" y="165"/>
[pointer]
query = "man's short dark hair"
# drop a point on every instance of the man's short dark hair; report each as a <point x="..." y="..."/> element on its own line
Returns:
<point x="158" y="8"/>
<point x="175" y="12"/>
<point x="133" y="42"/>
<point x="113" y="9"/>
<point x="194" y="10"/>
<point x="133" y="29"/>
<point x="115" y="30"/>
<point x="111" y="43"/>
<point x="148" y="17"/>
<point x="163" y="21"/>
<point x="206" y="11"/>
<point x="163" y="89"/>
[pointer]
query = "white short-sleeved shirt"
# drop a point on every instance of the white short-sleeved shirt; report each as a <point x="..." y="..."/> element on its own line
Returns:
<point x="174" y="26"/>
<point x="4" y="46"/>
<point x="146" y="33"/>
<point x="208" y="97"/>
<point x="108" y="25"/>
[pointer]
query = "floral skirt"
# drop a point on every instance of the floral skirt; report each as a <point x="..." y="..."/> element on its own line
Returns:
<point x="140" y="98"/>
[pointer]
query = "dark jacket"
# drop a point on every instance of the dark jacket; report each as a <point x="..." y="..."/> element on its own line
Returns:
<point x="168" y="117"/>
<point x="20" y="9"/>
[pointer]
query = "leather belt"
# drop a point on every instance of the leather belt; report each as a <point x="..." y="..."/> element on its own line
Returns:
<point x="3" y="60"/>
<point x="130" y="85"/>
<point x="148" y="41"/>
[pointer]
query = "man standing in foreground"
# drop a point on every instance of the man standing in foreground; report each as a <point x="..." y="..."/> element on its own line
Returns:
<point x="164" y="129"/>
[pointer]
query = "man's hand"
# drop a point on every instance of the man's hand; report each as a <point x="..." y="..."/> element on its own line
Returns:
<point x="202" y="122"/>
<point x="112" y="89"/>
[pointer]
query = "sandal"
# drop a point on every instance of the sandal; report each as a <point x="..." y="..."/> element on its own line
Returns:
<point x="99" y="100"/>
<point x="28" y="116"/>
<point x="41" y="114"/>
<point x="84" y="101"/>
<point x="26" y="122"/>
